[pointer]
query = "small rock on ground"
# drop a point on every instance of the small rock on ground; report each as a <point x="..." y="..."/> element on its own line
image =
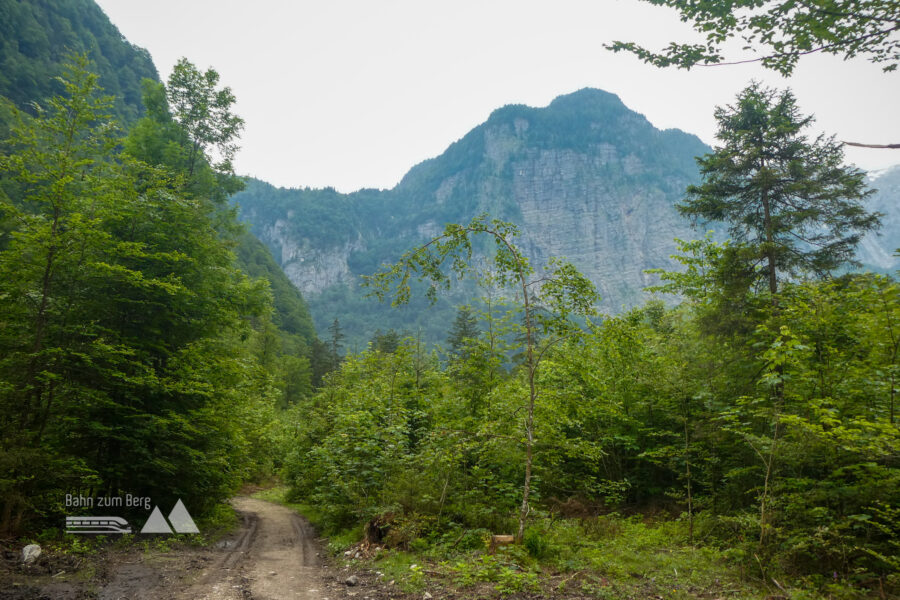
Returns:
<point x="30" y="553"/>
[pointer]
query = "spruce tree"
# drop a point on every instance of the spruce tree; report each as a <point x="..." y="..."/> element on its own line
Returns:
<point x="336" y="344"/>
<point x="385" y="342"/>
<point x="464" y="328"/>
<point x="787" y="198"/>
<point x="793" y="208"/>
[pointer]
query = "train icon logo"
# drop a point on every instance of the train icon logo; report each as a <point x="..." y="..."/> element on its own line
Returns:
<point x="97" y="525"/>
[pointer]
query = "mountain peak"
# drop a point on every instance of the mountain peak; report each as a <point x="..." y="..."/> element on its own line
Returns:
<point x="588" y="98"/>
<point x="584" y="121"/>
<point x="584" y="103"/>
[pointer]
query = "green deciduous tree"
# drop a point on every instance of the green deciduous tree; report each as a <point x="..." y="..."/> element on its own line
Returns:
<point x="204" y="113"/>
<point x="782" y="31"/>
<point x="548" y="302"/>
<point x="182" y="143"/>
<point x="123" y="366"/>
<point x="190" y="130"/>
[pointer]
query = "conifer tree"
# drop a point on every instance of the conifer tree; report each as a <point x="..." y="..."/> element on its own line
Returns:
<point x="465" y="327"/>
<point x="336" y="344"/>
<point x="386" y="342"/>
<point x="789" y="199"/>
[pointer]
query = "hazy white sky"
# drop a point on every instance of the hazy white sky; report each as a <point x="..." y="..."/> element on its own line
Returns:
<point x="352" y="93"/>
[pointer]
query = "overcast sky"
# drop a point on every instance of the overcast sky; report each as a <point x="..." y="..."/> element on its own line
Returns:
<point x="352" y="94"/>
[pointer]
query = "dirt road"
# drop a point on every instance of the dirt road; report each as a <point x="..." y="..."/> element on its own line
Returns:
<point x="273" y="558"/>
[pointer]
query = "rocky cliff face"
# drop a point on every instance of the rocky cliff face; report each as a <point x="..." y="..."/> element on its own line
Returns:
<point x="584" y="178"/>
<point x="612" y="235"/>
<point x="311" y="268"/>
<point x="878" y="251"/>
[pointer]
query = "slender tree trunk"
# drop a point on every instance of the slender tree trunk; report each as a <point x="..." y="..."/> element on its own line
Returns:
<point x="778" y="392"/>
<point x="529" y="419"/>
<point x="41" y="319"/>
<point x="33" y="401"/>
<point x="418" y="361"/>
<point x="687" y="470"/>
<point x="770" y="244"/>
<point x="491" y="341"/>
<point x="529" y="456"/>
<point x="46" y="282"/>
<point x="767" y="482"/>
<point x="895" y="344"/>
<point x="893" y="385"/>
<point x="45" y="417"/>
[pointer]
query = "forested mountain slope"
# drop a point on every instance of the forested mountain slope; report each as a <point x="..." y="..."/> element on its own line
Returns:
<point x="291" y="315"/>
<point x="36" y="36"/>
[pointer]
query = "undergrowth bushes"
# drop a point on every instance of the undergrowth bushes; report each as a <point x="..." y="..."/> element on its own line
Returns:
<point x="654" y="412"/>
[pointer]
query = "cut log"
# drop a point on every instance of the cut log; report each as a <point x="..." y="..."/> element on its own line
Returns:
<point x="500" y="540"/>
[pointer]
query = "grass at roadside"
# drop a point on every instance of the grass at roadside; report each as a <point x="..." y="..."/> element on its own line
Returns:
<point x="604" y="557"/>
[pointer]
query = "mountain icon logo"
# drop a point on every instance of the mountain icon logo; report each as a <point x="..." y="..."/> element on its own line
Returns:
<point x="180" y="519"/>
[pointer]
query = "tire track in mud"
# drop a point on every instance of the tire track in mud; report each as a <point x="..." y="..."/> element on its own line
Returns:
<point x="242" y="544"/>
